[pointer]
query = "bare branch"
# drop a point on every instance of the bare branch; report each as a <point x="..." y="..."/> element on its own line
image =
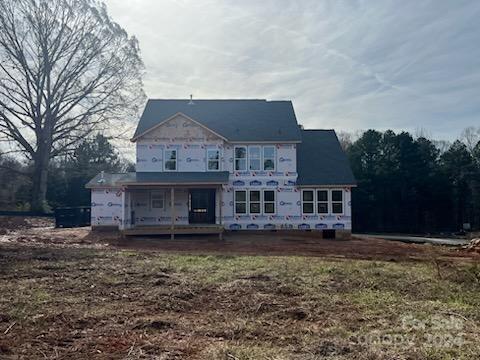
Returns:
<point x="66" y="71"/>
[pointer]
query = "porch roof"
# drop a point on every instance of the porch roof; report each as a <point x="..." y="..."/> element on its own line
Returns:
<point x="176" y="178"/>
<point x="160" y="178"/>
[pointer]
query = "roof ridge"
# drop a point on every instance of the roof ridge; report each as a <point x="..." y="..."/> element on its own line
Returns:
<point x="200" y="99"/>
<point x="318" y="129"/>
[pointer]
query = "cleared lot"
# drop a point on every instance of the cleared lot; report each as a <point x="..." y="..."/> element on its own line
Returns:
<point x="69" y="294"/>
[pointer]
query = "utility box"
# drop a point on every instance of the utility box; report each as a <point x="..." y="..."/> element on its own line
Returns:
<point x="72" y="217"/>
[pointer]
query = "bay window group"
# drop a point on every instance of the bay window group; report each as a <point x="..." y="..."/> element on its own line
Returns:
<point x="255" y="202"/>
<point x="322" y="201"/>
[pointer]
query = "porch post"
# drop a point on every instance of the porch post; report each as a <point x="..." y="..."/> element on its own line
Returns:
<point x="123" y="214"/>
<point x="172" y="211"/>
<point x="220" y="195"/>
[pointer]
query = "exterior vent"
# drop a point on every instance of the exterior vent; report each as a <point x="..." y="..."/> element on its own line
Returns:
<point x="102" y="177"/>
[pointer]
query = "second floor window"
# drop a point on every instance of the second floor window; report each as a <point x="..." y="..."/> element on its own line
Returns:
<point x="170" y="160"/>
<point x="269" y="158"/>
<point x="240" y="158"/>
<point x="254" y="157"/>
<point x="213" y="160"/>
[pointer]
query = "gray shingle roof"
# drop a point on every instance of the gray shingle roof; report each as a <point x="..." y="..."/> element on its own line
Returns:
<point x="180" y="177"/>
<point x="321" y="160"/>
<point x="236" y="120"/>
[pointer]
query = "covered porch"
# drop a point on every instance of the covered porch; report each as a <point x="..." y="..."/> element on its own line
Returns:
<point x="173" y="203"/>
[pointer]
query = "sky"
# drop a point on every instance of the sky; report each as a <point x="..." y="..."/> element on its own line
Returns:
<point x="347" y="65"/>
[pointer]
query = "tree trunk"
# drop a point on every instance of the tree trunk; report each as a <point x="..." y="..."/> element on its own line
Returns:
<point x="39" y="179"/>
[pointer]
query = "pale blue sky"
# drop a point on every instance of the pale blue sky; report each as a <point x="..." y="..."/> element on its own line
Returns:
<point x="347" y="65"/>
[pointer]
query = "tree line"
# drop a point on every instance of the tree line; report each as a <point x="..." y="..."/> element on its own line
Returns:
<point x="68" y="176"/>
<point x="415" y="185"/>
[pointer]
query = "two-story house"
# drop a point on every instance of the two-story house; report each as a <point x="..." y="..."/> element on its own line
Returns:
<point x="214" y="165"/>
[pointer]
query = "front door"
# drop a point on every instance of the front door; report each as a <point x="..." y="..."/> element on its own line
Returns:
<point x="202" y="206"/>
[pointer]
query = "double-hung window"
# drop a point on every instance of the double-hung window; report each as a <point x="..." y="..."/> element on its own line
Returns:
<point x="322" y="201"/>
<point x="170" y="160"/>
<point x="308" y="201"/>
<point x="213" y="160"/>
<point x="255" y="205"/>
<point x="255" y="201"/>
<point x="254" y="157"/>
<point x="337" y="201"/>
<point x="157" y="199"/>
<point x="269" y="201"/>
<point x="269" y="158"/>
<point x="240" y="158"/>
<point x="240" y="202"/>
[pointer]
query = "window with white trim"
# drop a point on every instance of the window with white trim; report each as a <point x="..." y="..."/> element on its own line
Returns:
<point x="240" y="201"/>
<point x="254" y="157"/>
<point x="322" y="201"/>
<point x="269" y="201"/>
<point x="269" y="158"/>
<point x="240" y="158"/>
<point x="157" y="199"/>
<point x="254" y="202"/>
<point x="308" y="201"/>
<point x="337" y="202"/>
<point x="170" y="160"/>
<point x="213" y="159"/>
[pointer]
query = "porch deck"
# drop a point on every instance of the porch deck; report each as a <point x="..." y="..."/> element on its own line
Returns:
<point x="178" y="229"/>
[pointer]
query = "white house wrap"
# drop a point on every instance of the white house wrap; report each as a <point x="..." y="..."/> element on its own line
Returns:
<point x="237" y="164"/>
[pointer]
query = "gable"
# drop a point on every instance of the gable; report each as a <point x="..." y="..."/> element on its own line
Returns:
<point x="235" y="120"/>
<point x="179" y="128"/>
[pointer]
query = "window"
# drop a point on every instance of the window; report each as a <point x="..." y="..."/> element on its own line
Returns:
<point x="170" y="160"/>
<point x="157" y="199"/>
<point x="322" y="201"/>
<point x="255" y="207"/>
<point x="240" y="202"/>
<point x="254" y="203"/>
<point x="337" y="201"/>
<point x="240" y="158"/>
<point x="269" y="158"/>
<point x="307" y="201"/>
<point x="254" y="157"/>
<point x="269" y="201"/>
<point x="213" y="160"/>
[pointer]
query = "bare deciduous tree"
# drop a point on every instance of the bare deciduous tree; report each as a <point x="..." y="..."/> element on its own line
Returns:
<point x="66" y="71"/>
<point x="470" y="136"/>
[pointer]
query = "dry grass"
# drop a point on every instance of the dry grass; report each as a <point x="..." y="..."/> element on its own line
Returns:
<point x="69" y="303"/>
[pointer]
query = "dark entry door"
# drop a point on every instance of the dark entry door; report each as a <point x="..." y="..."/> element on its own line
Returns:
<point x="202" y="206"/>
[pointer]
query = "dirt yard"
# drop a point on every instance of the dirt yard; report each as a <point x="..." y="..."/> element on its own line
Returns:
<point x="69" y="294"/>
<point x="40" y="232"/>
